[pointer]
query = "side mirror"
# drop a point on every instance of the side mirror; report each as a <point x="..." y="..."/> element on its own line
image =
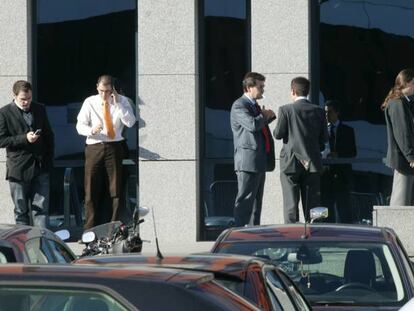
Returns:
<point x="88" y="237"/>
<point x="63" y="234"/>
<point x="318" y="213"/>
<point x="143" y="211"/>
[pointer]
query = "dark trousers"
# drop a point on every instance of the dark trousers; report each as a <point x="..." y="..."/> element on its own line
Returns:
<point x="335" y="187"/>
<point x="31" y="196"/>
<point x="302" y="185"/>
<point x="103" y="174"/>
<point x="248" y="205"/>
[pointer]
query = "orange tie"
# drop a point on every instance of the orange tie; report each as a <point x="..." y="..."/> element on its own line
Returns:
<point x="108" y="120"/>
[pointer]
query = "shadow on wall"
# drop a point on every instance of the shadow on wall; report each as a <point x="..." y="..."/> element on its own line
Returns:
<point x="143" y="152"/>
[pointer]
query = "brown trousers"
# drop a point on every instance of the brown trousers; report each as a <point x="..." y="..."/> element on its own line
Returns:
<point x="103" y="172"/>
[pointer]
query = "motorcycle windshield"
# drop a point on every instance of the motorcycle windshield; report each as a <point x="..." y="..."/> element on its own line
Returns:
<point x="105" y="230"/>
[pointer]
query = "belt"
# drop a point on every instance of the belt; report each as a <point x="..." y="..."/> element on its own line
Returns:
<point x="106" y="143"/>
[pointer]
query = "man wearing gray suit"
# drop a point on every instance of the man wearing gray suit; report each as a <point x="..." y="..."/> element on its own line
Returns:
<point x="302" y="126"/>
<point x="253" y="149"/>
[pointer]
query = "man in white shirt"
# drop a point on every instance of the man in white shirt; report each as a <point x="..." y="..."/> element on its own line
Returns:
<point x="102" y="119"/>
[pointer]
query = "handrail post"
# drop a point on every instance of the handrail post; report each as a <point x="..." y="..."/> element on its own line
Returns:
<point x="66" y="195"/>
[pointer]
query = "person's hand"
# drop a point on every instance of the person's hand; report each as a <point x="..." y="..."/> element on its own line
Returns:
<point x="268" y="114"/>
<point x="412" y="164"/>
<point x="31" y="137"/>
<point x="97" y="129"/>
<point x="115" y="96"/>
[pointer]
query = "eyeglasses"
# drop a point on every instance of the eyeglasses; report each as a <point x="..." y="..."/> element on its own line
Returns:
<point x="105" y="91"/>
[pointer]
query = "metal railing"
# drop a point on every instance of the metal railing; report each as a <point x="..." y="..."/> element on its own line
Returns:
<point x="71" y="199"/>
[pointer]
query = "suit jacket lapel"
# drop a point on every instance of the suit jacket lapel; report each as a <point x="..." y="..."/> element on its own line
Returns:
<point x="18" y="115"/>
<point x="250" y="107"/>
<point x="35" y="118"/>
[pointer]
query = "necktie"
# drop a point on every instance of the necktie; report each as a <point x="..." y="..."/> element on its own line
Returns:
<point x="265" y="131"/>
<point x="332" y="137"/>
<point x="108" y="121"/>
<point x="28" y="118"/>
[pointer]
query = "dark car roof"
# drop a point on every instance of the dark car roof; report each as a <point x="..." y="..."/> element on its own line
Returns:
<point x="322" y="232"/>
<point x="84" y="272"/>
<point x="141" y="285"/>
<point x="224" y="264"/>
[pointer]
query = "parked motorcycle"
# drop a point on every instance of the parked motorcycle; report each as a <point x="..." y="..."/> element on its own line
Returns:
<point x="114" y="237"/>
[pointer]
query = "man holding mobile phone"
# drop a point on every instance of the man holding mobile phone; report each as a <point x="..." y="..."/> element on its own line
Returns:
<point x="29" y="155"/>
<point x="102" y="119"/>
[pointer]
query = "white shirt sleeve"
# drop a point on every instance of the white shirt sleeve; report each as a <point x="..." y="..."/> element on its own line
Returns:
<point x="84" y="124"/>
<point x="125" y="112"/>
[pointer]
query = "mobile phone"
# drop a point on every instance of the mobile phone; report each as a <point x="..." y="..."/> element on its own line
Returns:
<point x="38" y="131"/>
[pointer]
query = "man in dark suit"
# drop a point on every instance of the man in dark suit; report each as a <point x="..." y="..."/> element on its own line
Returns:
<point x="253" y="149"/>
<point x="302" y="126"/>
<point x="337" y="178"/>
<point x="29" y="141"/>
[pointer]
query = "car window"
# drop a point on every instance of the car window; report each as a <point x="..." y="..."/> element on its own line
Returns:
<point x="359" y="272"/>
<point x="37" y="251"/>
<point x="254" y="288"/>
<point x="22" y="298"/>
<point x="407" y="263"/>
<point x="60" y="252"/>
<point x="7" y="254"/>
<point x="234" y="285"/>
<point x="280" y="298"/>
<point x="300" y="300"/>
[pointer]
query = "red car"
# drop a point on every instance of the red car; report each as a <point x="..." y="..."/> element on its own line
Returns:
<point x="261" y="283"/>
<point x="20" y="243"/>
<point x="95" y="288"/>
<point x="337" y="267"/>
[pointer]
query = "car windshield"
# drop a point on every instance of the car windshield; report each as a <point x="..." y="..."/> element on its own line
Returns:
<point x="333" y="272"/>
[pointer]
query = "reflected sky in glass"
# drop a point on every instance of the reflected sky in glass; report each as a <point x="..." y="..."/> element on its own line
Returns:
<point x="63" y="10"/>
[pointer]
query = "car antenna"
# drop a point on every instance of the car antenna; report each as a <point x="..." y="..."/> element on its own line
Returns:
<point x="159" y="255"/>
<point x="305" y="235"/>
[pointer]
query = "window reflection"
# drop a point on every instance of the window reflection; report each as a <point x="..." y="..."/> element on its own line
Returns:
<point x="363" y="45"/>
<point x="77" y="41"/>
<point x="226" y="60"/>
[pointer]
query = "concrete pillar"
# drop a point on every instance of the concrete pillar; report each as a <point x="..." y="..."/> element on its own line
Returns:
<point x="15" y="64"/>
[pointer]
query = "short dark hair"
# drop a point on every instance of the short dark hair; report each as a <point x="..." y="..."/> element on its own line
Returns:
<point x="105" y="80"/>
<point x="250" y="79"/>
<point x="118" y="85"/>
<point x="21" y="86"/>
<point x="335" y="104"/>
<point x="300" y="85"/>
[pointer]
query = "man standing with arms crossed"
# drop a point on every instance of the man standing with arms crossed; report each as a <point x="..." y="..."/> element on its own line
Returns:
<point x="253" y="149"/>
<point x="302" y="126"/>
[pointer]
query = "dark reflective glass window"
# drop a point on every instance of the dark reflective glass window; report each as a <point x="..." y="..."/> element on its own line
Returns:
<point x="362" y="47"/>
<point x="225" y="58"/>
<point x="75" y="42"/>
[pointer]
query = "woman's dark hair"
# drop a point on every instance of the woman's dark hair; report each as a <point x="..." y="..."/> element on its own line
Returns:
<point x="401" y="81"/>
